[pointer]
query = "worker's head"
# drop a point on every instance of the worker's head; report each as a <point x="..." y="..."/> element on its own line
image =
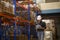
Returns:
<point x="39" y="18"/>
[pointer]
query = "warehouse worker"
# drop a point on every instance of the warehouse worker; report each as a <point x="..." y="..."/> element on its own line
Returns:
<point x="40" y="27"/>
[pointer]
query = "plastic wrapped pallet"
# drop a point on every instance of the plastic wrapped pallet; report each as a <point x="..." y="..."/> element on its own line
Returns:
<point x="48" y="35"/>
<point x="50" y="29"/>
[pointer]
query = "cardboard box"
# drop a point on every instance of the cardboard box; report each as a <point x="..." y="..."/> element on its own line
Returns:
<point x="7" y="6"/>
<point x="0" y="7"/>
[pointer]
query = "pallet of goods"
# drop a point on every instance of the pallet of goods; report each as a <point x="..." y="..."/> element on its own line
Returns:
<point x="7" y="6"/>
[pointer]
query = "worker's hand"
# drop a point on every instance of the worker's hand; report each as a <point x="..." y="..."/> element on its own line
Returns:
<point x="41" y="28"/>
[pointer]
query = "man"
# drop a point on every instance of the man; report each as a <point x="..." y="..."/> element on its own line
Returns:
<point x="40" y="27"/>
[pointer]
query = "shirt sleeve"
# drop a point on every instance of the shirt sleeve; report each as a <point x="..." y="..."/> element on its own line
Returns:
<point x="43" y="24"/>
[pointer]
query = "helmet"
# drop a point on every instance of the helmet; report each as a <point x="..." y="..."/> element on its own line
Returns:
<point x="39" y="17"/>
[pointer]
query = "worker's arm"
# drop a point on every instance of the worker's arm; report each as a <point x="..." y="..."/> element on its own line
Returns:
<point x="43" y="25"/>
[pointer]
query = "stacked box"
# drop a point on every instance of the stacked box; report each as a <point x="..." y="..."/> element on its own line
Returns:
<point x="11" y="10"/>
<point x="0" y="7"/>
<point x="8" y="6"/>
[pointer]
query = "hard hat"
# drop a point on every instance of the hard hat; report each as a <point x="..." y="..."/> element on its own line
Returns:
<point x="39" y="17"/>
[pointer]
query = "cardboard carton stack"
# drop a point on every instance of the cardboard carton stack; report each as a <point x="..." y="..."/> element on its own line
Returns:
<point x="7" y="6"/>
<point x="0" y="6"/>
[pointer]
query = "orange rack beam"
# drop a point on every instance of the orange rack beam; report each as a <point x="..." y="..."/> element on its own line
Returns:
<point x="12" y="17"/>
<point x="6" y="16"/>
<point x="20" y="20"/>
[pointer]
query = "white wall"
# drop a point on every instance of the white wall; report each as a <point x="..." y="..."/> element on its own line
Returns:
<point x="46" y="1"/>
<point x="59" y="0"/>
<point x="47" y="6"/>
<point x="51" y="1"/>
<point x="40" y="1"/>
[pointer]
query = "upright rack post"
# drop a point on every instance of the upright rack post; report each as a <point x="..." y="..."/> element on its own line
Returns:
<point x="7" y="32"/>
<point x="14" y="3"/>
<point x="29" y="20"/>
<point x="0" y="28"/>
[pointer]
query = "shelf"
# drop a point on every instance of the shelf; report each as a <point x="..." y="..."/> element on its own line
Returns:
<point x="7" y="15"/>
<point x="21" y="6"/>
<point x="25" y="2"/>
<point x="12" y="17"/>
<point x="8" y="12"/>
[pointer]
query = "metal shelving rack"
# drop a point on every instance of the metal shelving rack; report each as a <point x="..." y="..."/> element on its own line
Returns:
<point x="11" y="17"/>
<point x="13" y="20"/>
<point x="28" y="20"/>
